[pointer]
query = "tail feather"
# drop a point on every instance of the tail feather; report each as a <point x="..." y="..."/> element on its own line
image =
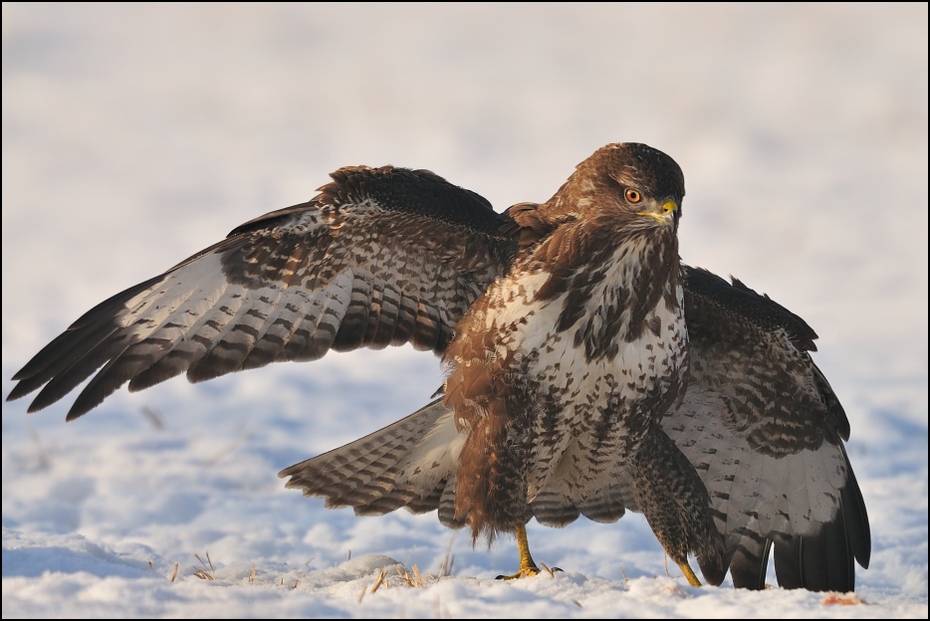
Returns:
<point x="410" y="463"/>
<point x="447" y="514"/>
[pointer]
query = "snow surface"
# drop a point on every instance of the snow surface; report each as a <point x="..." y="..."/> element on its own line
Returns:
<point x="135" y="135"/>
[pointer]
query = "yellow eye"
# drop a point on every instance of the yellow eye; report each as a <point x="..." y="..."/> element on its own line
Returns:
<point x="632" y="195"/>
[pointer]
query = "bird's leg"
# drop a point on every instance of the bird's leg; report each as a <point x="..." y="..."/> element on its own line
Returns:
<point x="676" y="504"/>
<point x="689" y="574"/>
<point x="528" y="567"/>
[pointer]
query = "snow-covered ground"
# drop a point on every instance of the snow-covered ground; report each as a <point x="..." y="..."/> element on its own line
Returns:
<point x="135" y="135"/>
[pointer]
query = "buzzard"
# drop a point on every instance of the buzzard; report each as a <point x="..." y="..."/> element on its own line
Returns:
<point x="589" y="371"/>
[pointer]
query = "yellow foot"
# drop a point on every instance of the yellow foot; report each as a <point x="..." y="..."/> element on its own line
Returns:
<point x="689" y="574"/>
<point x="528" y="568"/>
<point x="529" y="572"/>
<point x="525" y="572"/>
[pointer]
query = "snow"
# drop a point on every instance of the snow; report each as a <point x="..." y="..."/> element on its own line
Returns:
<point x="135" y="135"/>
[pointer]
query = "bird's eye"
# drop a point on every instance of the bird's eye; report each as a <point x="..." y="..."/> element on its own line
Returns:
<point x="632" y="195"/>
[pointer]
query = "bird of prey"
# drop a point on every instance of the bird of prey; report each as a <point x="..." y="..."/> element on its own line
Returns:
<point x="588" y="370"/>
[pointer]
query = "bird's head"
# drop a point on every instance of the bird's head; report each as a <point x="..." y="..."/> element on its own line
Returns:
<point x="622" y="179"/>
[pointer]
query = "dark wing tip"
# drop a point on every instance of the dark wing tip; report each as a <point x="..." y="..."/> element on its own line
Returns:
<point x="826" y="561"/>
<point x="75" y="354"/>
<point x="21" y="389"/>
<point x="749" y="563"/>
<point x="856" y="518"/>
<point x="714" y="571"/>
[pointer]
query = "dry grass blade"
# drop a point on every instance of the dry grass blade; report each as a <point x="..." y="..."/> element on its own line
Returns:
<point x="378" y="581"/>
<point x="448" y="559"/>
<point x="153" y="417"/>
<point x="446" y="568"/>
<point x="207" y="573"/>
<point x="405" y="576"/>
<point x="174" y="574"/>
<point x="414" y="579"/>
<point x="252" y="573"/>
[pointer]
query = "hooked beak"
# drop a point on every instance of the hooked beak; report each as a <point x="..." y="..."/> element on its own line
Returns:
<point x="674" y="208"/>
<point x="671" y="213"/>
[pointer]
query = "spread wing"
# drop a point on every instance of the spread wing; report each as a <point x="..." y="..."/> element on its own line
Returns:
<point x="380" y="257"/>
<point x="765" y="431"/>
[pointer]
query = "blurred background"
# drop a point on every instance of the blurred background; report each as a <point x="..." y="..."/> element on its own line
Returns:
<point x="136" y="134"/>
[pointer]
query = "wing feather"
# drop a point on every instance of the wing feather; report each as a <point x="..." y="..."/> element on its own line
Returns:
<point x="380" y="257"/>
<point x="765" y="432"/>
